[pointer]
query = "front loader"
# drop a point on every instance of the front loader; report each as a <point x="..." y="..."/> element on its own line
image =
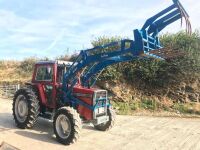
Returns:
<point x="64" y="91"/>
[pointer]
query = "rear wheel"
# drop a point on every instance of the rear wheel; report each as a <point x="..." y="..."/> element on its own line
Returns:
<point x="109" y="124"/>
<point x="67" y="125"/>
<point x="25" y="108"/>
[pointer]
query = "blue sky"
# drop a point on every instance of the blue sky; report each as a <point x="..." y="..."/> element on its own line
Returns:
<point x="54" y="27"/>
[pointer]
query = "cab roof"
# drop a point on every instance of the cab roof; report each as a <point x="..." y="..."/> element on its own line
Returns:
<point x="59" y="62"/>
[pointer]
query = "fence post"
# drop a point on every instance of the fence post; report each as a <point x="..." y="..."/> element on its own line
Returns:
<point x="9" y="90"/>
<point x="6" y="91"/>
<point x="18" y="87"/>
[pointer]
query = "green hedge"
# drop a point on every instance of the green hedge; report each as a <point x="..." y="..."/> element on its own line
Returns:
<point x="155" y="72"/>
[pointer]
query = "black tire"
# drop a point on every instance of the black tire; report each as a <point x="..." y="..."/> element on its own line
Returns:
<point x="109" y="124"/>
<point x="74" y="121"/>
<point x="32" y="108"/>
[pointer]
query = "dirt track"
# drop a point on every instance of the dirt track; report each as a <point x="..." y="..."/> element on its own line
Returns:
<point x="129" y="133"/>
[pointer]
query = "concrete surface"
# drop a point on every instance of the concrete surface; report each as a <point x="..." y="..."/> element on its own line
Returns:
<point x="130" y="132"/>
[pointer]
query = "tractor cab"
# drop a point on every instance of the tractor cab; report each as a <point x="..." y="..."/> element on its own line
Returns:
<point x="47" y="78"/>
<point x="50" y="71"/>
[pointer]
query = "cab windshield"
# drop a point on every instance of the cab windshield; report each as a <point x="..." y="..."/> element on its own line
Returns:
<point x="60" y="73"/>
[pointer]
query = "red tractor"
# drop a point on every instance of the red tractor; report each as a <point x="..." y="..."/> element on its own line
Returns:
<point x="42" y="97"/>
<point x="63" y="91"/>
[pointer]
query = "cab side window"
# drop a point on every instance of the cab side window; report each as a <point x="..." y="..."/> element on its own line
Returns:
<point x="44" y="73"/>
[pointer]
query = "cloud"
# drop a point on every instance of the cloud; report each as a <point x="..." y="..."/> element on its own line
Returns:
<point x="56" y="40"/>
<point x="52" y="27"/>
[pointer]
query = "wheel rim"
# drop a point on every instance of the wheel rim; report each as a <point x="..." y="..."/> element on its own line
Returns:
<point x="21" y="108"/>
<point x="63" y="126"/>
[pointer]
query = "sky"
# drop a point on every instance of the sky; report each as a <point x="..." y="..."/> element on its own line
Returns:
<point x="49" y="28"/>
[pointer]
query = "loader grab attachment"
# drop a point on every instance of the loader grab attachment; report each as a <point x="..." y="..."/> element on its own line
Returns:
<point x="145" y="44"/>
<point x="147" y="39"/>
<point x="169" y="15"/>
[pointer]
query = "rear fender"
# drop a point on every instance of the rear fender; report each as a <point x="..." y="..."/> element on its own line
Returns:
<point x="39" y="90"/>
<point x="41" y="94"/>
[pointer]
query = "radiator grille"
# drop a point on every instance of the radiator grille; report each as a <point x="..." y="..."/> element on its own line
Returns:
<point x="100" y="103"/>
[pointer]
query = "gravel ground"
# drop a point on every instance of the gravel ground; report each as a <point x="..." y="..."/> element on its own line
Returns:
<point x="130" y="132"/>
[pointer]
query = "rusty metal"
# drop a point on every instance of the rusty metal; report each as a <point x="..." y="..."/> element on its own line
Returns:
<point x="168" y="53"/>
<point x="185" y="15"/>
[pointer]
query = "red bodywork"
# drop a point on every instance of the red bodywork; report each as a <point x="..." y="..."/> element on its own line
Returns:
<point x="83" y="94"/>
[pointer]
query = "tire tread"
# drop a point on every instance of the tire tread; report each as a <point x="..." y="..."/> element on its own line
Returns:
<point x="33" y="105"/>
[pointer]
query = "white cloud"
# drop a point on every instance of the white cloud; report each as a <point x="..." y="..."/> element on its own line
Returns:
<point x="51" y="28"/>
<point x="9" y="20"/>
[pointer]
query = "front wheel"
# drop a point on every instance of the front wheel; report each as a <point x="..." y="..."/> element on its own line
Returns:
<point x="109" y="124"/>
<point x="67" y="125"/>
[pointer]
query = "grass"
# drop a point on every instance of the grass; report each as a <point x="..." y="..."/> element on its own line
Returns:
<point x="188" y="108"/>
<point x="12" y="72"/>
<point x="130" y="107"/>
<point x="153" y="105"/>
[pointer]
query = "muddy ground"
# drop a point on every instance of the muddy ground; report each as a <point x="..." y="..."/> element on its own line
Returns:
<point x="130" y="132"/>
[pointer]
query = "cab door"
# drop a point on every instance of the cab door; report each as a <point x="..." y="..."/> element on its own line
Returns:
<point x="45" y="77"/>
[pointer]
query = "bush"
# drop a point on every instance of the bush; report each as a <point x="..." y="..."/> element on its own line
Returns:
<point x="190" y="44"/>
<point x="158" y="73"/>
<point x="27" y="65"/>
<point x="110" y="73"/>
